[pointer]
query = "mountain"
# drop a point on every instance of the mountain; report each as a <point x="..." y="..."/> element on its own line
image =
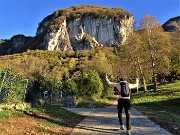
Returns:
<point x="80" y="27"/>
<point x="172" y="25"/>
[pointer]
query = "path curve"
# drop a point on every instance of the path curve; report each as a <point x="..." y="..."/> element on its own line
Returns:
<point x="104" y="121"/>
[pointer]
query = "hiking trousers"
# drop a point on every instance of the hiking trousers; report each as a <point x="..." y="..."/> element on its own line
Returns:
<point x="126" y="104"/>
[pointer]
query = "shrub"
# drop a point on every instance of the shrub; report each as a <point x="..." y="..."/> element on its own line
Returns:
<point x="70" y="86"/>
<point x="12" y="87"/>
<point x="90" y="86"/>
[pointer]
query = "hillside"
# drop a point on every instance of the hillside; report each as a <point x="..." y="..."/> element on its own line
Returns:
<point x="172" y="25"/>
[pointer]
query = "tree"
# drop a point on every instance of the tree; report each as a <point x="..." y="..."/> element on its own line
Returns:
<point x="133" y="49"/>
<point x="70" y="86"/>
<point x="175" y="53"/>
<point x="90" y="86"/>
<point x="156" y="46"/>
<point x="100" y="63"/>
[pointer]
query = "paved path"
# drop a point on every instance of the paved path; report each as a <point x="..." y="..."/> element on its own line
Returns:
<point x="104" y="121"/>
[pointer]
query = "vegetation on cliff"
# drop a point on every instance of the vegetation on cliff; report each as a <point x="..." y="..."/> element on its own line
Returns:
<point x="81" y="11"/>
<point x="93" y="10"/>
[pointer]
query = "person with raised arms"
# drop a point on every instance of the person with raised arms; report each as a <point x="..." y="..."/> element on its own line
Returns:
<point x="124" y="90"/>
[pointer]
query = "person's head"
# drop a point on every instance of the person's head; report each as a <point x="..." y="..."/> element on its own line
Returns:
<point x="121" y="79"/>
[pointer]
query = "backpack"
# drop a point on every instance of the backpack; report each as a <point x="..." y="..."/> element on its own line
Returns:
<point x="116" y="92"/>
<point x="125" y="90"/>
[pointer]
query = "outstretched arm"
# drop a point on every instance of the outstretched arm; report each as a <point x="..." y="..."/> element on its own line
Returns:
<point x="134" y="85"/>
<point x="111" y="84"/>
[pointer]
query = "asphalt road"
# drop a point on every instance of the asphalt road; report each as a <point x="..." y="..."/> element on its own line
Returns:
<point x="104" y="121"/>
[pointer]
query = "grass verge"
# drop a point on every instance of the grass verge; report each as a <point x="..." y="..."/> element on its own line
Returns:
<point x="161" y="106"/>
<point x="47" y="119"/>
<point x="101" y="103"/>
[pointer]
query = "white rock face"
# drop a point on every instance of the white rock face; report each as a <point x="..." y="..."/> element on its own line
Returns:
<point x="58" y="39"/>
<point x="72" y="34"/>
<point x="126" y="28"/>
<point x="105" y="31"/>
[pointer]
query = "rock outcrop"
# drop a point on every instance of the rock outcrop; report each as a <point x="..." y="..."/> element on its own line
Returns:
<point x="71" y="28"/>
<point x="172" y="25"/>
<point x="77" y="28"/>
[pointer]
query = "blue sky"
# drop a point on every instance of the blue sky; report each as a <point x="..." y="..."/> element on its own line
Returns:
<point x="23" y="16"/>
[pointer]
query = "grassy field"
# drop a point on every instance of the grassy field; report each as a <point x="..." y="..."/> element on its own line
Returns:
<point x="47" y="119"/>
<point x="162" y="106"/>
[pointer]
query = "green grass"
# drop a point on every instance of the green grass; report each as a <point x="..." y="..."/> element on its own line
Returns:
<point x="92" y="104"/>
<point x="60" y="116"/>
<point x="163" y="103"/>
<point x="100" y="103"/>
<point x="48" y="125"/>
<point x="7" y="113"/>
<point x="49" y="116"/>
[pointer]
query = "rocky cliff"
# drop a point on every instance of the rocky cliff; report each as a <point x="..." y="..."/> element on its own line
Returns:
<point x="172" y="25"/>
<point x="85" y="27"/>
<point x="77" y="28"/>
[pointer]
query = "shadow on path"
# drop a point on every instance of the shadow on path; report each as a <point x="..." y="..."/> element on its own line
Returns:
<point x="104" y="121"/>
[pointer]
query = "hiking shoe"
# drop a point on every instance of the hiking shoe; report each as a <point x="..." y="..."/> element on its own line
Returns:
<point x="128" y="132"/>
<point x="122" y="127"/>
